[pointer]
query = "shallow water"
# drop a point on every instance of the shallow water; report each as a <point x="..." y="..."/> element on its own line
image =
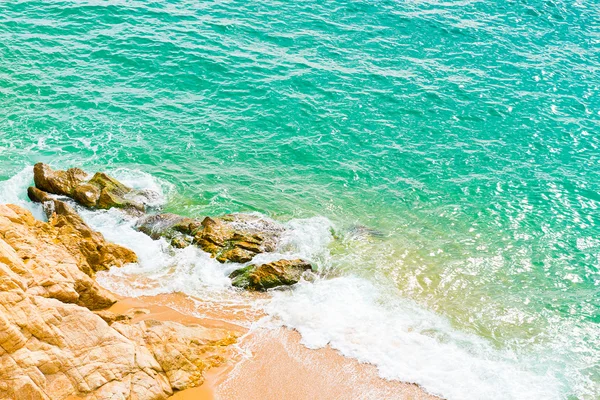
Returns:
<point x="439" y="160"/>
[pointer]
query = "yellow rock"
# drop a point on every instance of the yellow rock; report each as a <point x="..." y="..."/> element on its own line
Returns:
<point x="53" y="346"/>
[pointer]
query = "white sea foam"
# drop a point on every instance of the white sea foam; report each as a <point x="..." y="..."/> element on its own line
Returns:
<point x="359" y="318"/>
<point x="14" y="191"/>
<point x="406" y="343"/>
<point x="191" y="270"/>
<point x="165" y="269"/>
<point x="143" y="181"/>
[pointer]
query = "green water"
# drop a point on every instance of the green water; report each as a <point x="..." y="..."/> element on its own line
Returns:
<point x="468" y="133"/>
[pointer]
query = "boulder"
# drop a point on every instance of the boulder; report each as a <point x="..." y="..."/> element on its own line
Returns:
<point x="237" y="237"/>
<point x="270" y="275"/>
<point x="57" y="182"/>
<point x="53" y="346"/>
<point x="100" y="191"/>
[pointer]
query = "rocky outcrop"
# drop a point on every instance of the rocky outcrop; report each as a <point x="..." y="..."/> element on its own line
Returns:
<point x="183" y="352"/>
<point x="270" y="275"/>
<point x="58" y="259"/>
<point x="91" y="251"/>
<point x="99" y="191"/>
<point x="53" y="346"/>
<point x="236" y="237"/>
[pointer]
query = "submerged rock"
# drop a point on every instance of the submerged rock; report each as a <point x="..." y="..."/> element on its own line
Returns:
<point x="53" y="346"/>
<point x="362" y="232"/>
<point x="101" y="191"/>
<point x="270" y="275"/>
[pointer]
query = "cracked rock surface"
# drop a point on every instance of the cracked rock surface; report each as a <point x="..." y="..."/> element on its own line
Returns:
<point x="53" y="346"/>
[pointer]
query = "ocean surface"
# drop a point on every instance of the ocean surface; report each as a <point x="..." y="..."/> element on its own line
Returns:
<point x="439" y="161"/>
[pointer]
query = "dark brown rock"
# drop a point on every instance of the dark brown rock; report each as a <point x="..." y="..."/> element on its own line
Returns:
<point x="270" y="275"/>
<point x="237" y="237"/>
<point x="37" y="195"/>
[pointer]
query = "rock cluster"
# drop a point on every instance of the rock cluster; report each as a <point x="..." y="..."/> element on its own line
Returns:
<point x="53" y="346"/>
<point x="236" y="238"/>
<point x="58" y="340"/>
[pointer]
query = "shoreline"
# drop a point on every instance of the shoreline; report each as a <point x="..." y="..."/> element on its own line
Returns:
<point x="168" y="346"/>
<point x="271" y="354"/>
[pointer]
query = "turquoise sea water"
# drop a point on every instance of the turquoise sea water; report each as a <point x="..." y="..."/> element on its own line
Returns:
<point x="466" y="134"/>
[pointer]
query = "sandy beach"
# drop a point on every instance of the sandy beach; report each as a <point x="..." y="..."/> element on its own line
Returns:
<point x="271" y="363"/>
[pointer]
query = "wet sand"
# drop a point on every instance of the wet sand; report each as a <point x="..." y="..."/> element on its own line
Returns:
<point x="282" y="368"/>
<point x="270" y="364"/>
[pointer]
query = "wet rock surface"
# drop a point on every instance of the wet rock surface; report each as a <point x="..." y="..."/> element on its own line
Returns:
<point x="100" y="191"/>
<point x="177" y="230"/>
<point x="235" y="238"/>
<point x="270" y="275"/>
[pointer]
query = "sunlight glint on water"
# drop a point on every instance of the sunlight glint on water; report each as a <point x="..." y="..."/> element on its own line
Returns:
<point x="439" y="162"/>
